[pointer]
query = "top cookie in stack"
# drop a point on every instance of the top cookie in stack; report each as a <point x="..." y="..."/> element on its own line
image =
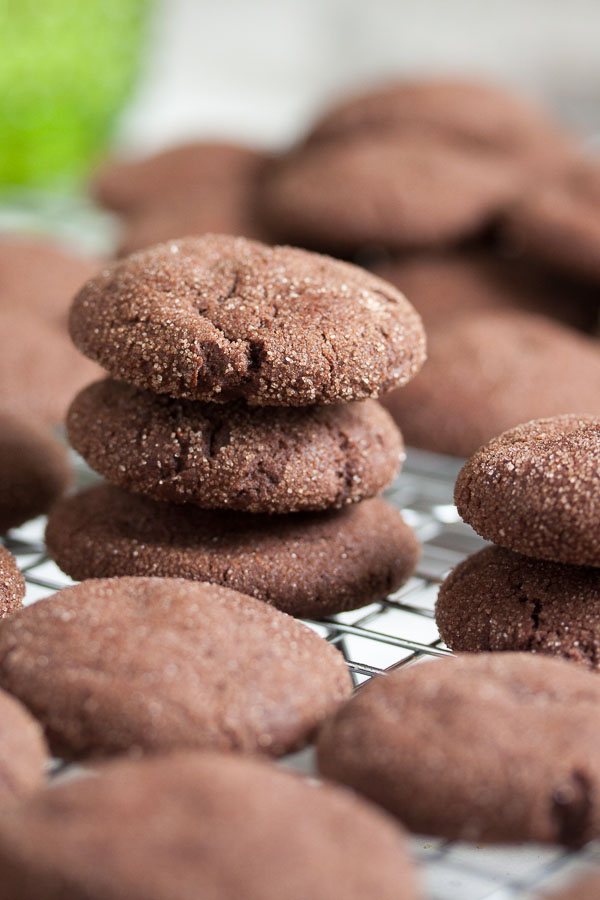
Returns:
<point x="236" y="370"/>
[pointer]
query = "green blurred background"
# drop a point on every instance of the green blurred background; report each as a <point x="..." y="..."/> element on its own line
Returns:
<point x="66" y="67"/>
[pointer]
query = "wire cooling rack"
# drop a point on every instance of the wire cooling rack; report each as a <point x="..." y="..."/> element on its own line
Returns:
<point x="384" y="636"/>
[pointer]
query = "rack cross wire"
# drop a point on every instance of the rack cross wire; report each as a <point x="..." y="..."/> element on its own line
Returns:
<point x="384" y="636"/>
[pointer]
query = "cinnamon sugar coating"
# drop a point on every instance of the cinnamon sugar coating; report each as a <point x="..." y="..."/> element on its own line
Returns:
<point x="12" y="584"/>
<point x="535" y="490"/>
<point x="500" y="600"/>
<point x="308" y="564"/>
<point x="218" y="318"/>
<point x="232" y="456"/>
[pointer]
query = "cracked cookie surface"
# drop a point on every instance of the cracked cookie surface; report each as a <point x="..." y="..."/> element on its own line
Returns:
<point x="485" y="747"/>
<point x="218" y="318"/>
<point x="500" y="600"/>
<point x="232" y="456"/>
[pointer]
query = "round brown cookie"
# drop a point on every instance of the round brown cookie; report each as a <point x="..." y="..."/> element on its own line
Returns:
<point x="490" y="371"/>
<point x="559" y="223"/>
<point x="392" y="190"/>
<point x="221" y="210"/>
<point x="477" y="748"/>
<point x="586" y="888"/>
<point x="22" y="751"/>
<point x="443" y="285"/>
<point x="165" y="829"/>
<point x="500" y="600"/>
<point x="40" y="277"/>
<point x="154" y="664"/>
<point x="12" y="585"/>
<point x="129" y="185"/>
<point x="218" y="318"/>
<point x="34" y="470"/>
<point x="484" y="115"/>
<point x="308" y="564"/>
<point x="40" y="370"/>
<point x="220" y="456"/>
<point x="535" y="489"/>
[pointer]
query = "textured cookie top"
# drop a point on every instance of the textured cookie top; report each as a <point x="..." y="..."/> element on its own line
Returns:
<point x="188" y="815"/>
<point x="535" y="489"/>
<point x="128" y="185"/>
<point x="218" y="318"/>
<point x="392" y="190"/>
<point x="232" y="456"/>
<point x="12" y="584"/>
<point x="489" y="372"/>
<point x="309" y="564"/>
<point x="483" y="114"/>
<point x="34" y="470"/>
<point x="492" y="746"/>
<point x="125" y="664"/>
<point x="22" y="751"/>
<point x="559" y="223"/>
<point x="500" y="600"/>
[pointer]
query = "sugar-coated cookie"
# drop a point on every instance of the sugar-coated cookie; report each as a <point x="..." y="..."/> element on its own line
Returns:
<point x="535" y="489"/>
<point x="307" y="564"/>
<point x="219" y="318"/>
<point x="484" y="747"/>
<point x="128" y="665"/>
<point x="232" y="456"/>
<point x="500" y="600"/>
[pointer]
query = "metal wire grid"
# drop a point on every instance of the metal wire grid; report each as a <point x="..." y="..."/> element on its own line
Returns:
<point x="384" y="636"/>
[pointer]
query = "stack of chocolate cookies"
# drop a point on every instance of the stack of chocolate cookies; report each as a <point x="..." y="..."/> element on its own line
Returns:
<point x="534" y="491"/>
<point x="237" y="430"/>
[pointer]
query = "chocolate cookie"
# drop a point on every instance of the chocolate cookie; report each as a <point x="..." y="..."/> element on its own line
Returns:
<point x="223" y="208"/>
<point x="535" y="489"/>
<point x="391" y="190"/>
<point x="219" y="318"/>
<point x="40" y="370"/>
<point x="482" y="115"/>
<point x="12" y="584"/>
<point x="488" y="372"/>
<point x="500" y="600"/>
<point x="152" y="664"/>
<point x="477" y="748"/>
<point x="34" y="470"/>
<point x="307" y="564"/>
<point x="40" y="277"/>
<point x="165" y="829"/>
<point x="559" y="223"/>
<point x="221" y="456"/>
<point x="442" y="286"/>
<point x="587" y="888"/>
<point x="22" y="751"/>
<point x="186" y="169"/>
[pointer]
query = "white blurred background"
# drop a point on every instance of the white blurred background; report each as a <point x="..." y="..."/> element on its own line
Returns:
<point x="258" y="70"/>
